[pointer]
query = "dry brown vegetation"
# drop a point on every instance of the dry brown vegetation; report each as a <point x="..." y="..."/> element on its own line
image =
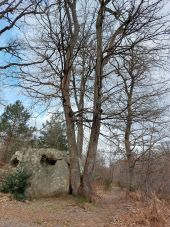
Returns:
<point x="114" y="208"/>
<point x="151" y="175"/>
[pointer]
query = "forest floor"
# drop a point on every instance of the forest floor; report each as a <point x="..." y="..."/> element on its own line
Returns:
<point x="110" y="209"/>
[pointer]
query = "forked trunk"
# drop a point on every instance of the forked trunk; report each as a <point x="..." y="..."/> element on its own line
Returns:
<point x="86" y="187"/>
<point x="73" y="152"/>
<point x="70" y="11"/>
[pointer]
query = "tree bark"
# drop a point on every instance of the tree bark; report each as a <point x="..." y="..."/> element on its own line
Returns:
<point x="80" y="133"/>
<point x="95" y="130"/>
<point x="129" y="118"/>
<point x="131" y="178"/>
<point x="73" y="152"/>
<point x="70" y="9"/>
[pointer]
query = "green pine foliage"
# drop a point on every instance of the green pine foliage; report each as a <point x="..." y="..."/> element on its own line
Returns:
<point x="14" y="119"/>
<point x="16" y="184"/>
<point x="14" y="128"/>
<point x="53" y="134"/>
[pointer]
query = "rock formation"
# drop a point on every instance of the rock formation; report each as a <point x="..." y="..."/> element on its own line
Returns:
<point x="48" y="169"/>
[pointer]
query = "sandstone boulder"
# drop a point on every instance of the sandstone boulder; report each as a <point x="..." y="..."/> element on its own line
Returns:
<point x="48" y="169"/>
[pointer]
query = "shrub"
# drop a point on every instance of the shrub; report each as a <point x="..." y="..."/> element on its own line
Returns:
<point x="16" y="184"/>
<point x="107" y="184"/>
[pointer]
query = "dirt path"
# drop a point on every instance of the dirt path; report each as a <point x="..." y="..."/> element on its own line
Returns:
<point x="59" y="212"/>
<point x="108" y="211"/>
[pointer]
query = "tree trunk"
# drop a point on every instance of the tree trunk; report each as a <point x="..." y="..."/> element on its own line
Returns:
<point x="90" y="160"/>
<point x="95" y="130"/>
<point x="80" y="106"/>
<point x="80" y="141"/>
<point x="70" y="10"/>
<point x="131" y="178"/>
<point x="73" y="152"/>
<point x="129" y="154"/>
<point x="80" y="133"/>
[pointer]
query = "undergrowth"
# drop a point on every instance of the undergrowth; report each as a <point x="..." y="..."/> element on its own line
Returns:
<point x="16" y="184"/>
<point x="107" y="184"/>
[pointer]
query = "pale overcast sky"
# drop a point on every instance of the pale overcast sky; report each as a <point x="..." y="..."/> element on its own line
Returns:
<point x="11" y="94"/>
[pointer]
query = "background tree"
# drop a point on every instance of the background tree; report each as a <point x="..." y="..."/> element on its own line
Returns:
<point x="14" y="128"/>
<point x="141" y="120"/>
<point x="53" y="134"/>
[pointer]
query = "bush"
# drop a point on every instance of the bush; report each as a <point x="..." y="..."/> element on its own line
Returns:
<point x="107" y="184"/>
<point x="16" y="184"/>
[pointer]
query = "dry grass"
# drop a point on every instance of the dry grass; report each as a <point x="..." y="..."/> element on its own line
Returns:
<point x="137" y="213"/>
<point x="115" y="208"/>
<point x="132" y="196"/>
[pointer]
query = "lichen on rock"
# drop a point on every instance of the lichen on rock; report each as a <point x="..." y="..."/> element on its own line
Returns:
<point x="48" y="170"/>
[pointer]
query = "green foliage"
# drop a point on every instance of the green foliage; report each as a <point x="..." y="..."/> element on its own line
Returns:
<point x="53" y="134"/>
<point x="16" y="184"/>
<point x="107" y="184"/>
<point x="14" y="128"/>
<point x="14" y="119"/>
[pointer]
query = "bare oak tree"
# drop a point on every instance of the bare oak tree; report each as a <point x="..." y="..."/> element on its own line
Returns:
<point x="140" y="124"/>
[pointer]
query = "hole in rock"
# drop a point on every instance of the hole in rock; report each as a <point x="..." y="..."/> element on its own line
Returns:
<point x="47" y="160"/>
<point x="15" y="162"/>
